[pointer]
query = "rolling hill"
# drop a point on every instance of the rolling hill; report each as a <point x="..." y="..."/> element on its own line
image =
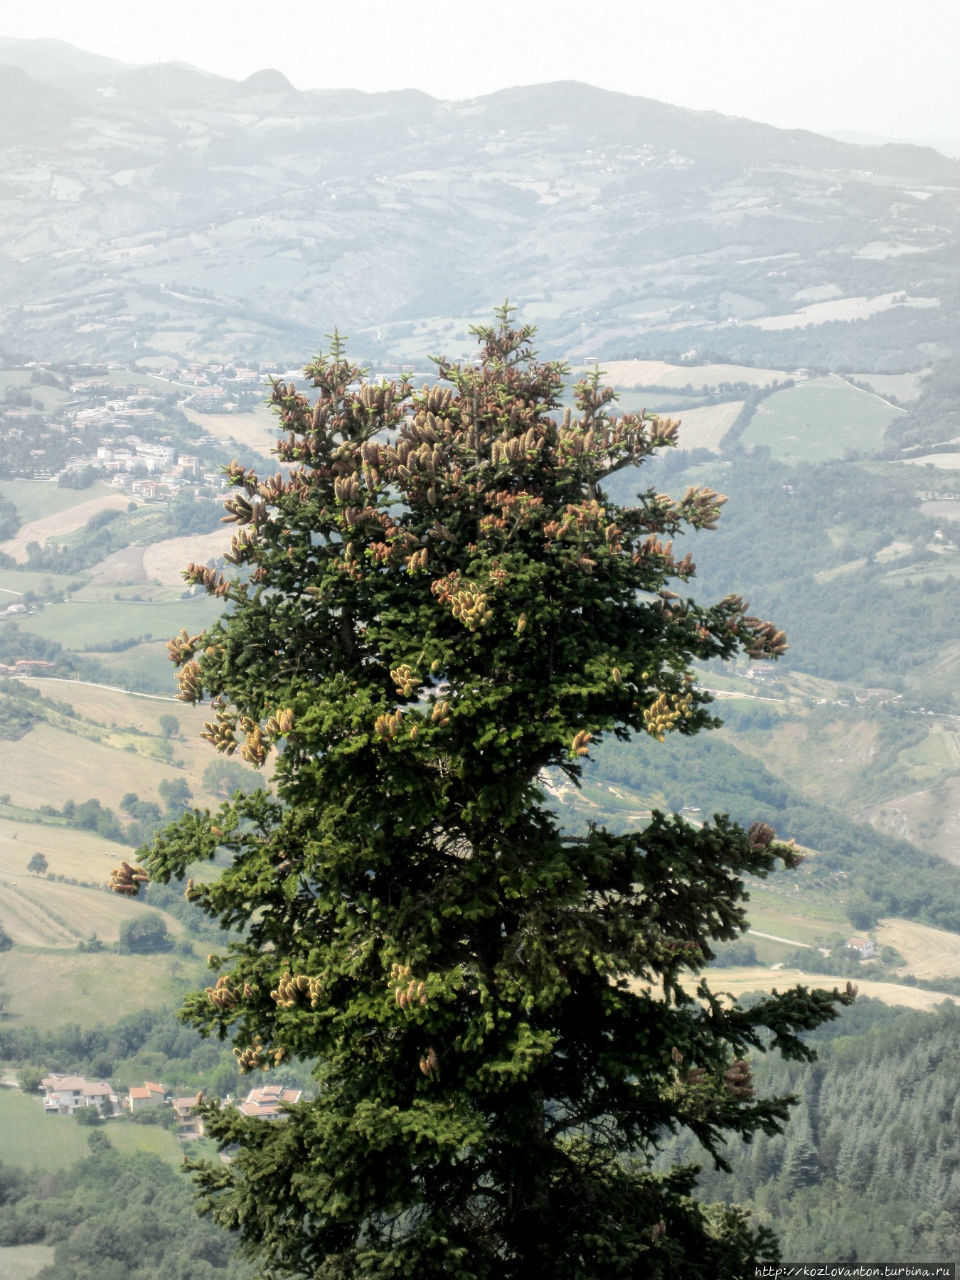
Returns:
<point x="162" y="213"/>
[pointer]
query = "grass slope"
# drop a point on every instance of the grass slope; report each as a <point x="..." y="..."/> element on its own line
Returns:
<point x="48" y="913"/>
<point x="818" y="420"/>
<point x="53" y="764"/>
<point x="34" y="1140"/>
<point x="96" y="624"/>
<point x="24" y="1261"/>
<point x="35" y="499"/>
<point x="53" y="988"/>
<point x="739" y="982"/>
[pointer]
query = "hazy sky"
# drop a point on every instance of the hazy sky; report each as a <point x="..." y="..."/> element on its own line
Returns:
<point x="887" y="67"/>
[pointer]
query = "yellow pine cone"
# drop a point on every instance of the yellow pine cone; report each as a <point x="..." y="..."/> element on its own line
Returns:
<point x="388" y="726"/>
<point x="405" y="679"/>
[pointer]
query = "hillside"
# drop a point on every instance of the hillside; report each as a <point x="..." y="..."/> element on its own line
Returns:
<point x="161" y="213"/>
<point x="170" y="239"/>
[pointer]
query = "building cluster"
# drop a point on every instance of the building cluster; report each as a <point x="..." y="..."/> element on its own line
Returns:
<point x="64" y="1095"/>
<point x="122" y="433"/>
<point x="129" y="453"/>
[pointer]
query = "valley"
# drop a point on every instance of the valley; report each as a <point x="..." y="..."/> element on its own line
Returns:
<point x="172" y="242"/>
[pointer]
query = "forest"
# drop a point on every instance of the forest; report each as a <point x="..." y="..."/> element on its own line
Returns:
<point x="868" y="1167"/>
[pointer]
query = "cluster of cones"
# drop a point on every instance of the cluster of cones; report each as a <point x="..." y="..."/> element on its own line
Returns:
<point x="127" y="880"/>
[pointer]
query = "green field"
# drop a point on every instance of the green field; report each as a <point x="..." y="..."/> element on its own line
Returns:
<point x="51" y="988"/>
<point x="124" y="730"/>
<point x="257" y="429"/>
<point x="818" y="420"/>
<point x="52" y="764"/>
<point x="34" y="1140"/>
<point x="24" y="1261"/>
<point x="932" y="570"/>
<point x="905" y="386"/>
<point x="79" y="855"/>
<point x="128" y="1138"/>
<point x="37" y="498"/>
<point x="144" y="666"/>
<point x="796" y="920"/>
<point x="17" y="582"/>
<point x="40" y="912"/>
<point x="95" y="624"/>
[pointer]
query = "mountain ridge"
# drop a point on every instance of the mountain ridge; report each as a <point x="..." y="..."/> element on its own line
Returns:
<point x="164" y="211"/>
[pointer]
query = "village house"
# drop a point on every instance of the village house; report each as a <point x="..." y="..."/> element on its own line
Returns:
<point x="189" y="1124"/>
<point x="63" y="1095"/>
<point x="865" y="946"/>
<point x="145" y="1097"/>
<point x="265" y="1102"/>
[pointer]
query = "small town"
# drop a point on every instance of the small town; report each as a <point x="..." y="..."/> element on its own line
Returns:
<point x="140" y="441"/>
<point x="95" y="1100"/>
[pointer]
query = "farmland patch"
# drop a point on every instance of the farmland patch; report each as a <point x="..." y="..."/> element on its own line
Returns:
<point x="942" y="461"/>
<point x="257" y="430"/>
<point x="165" y="561"/>
<point x="657" y="373"/>
<point x="56" y="524"/>
<point x="738" y="982"/>
<point x="704" y="428"/>
<point x="44" y="992"/>
<point x="818" y="420"/>
<point x="94" y="624"/>
<point x="35" y="499"/>
<point x="24" y="1261"/>
<point x="858" y="308"/>
<point x="929" y="953"/>
<point x="61" y="765"/>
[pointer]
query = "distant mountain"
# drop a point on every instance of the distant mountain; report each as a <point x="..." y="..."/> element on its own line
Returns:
<point x="149" y="212"/>
<point x="54" y="60"/>
<point x="946" y="146"/>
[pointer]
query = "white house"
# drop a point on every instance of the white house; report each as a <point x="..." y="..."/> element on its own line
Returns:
<point x="62" y="1095"/>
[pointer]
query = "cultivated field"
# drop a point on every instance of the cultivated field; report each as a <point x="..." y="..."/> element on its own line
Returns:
<point x="47" y="988"/>
<point x="120" y="568"/>
<point x="29" y="1143"/>
<point x="937" y="509"/>
<point x="819" y="420"/>
<point x="165" y="561"/>
<point x="657" y="373"/>
<point x="742" y="980"/>
<point x="33" y="1140"/>
<point x="257" y="430"/>
<point x="69" y="851"/>
<point x="942" y="461"/>
<point x="34" y="499"/>
<point x="38" y="912"/>
<point x="54" y="765"/>
<point x="59" y="523"/>
<point x="92" y="624"/>
<point x="129" y="755"/>
<point x="905" y="386"/>
<point x="839" y="309"/>
<point x="704" y="428"/>
<point x="929" y="953"/>
<point x="16" y="582"/>
<point x="143" y="666"/>
<point x="121" y="710"/>
<point x="768" y="915"/>
<point x="24" y="1261"/>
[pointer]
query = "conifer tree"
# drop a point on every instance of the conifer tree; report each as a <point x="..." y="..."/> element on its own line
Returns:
<point x="434" y="604"/>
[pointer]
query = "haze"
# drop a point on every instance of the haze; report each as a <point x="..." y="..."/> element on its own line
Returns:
<point x="879" y="67"/>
